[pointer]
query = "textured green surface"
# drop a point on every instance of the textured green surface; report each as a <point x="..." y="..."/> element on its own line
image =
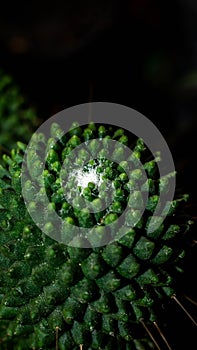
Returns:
<point x="17" y="119"/>
<point x="95" y="296"/>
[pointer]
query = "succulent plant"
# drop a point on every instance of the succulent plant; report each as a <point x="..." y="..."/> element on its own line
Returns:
<point x="17" y="119"/>
<point x="60" y="295"/>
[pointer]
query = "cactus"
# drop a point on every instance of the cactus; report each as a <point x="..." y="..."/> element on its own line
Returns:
<point x="17" y="119"/>
<point x="57" y="295"/>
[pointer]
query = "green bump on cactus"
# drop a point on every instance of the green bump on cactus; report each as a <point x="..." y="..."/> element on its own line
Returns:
<point x="94" y="296"/>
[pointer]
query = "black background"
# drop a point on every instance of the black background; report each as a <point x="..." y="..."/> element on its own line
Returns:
<point x="142" y="54"/>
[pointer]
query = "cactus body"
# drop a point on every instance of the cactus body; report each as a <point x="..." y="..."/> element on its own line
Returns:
<point x="17" y="119"/>
<point x="95" y="296"/>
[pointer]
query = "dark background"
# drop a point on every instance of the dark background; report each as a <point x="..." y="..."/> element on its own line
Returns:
<point x="139" y="53"/>
<point x="142" y="54"/>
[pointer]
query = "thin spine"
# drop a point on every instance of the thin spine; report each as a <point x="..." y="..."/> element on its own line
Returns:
<point x="150" y="334"/>
<point x="162" y="335"/>
<point x="190" y="299"/>
<point x="184" y="309"/>
<point x="56" y="337"/>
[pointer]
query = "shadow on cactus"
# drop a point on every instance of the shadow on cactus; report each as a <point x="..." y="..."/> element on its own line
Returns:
<point x="56" y="296"/>
<point x="17" y="119"/>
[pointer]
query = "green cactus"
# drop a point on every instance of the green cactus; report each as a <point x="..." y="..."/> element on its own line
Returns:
<point x="17" y="120"/>
<point x="57" y="295"/>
